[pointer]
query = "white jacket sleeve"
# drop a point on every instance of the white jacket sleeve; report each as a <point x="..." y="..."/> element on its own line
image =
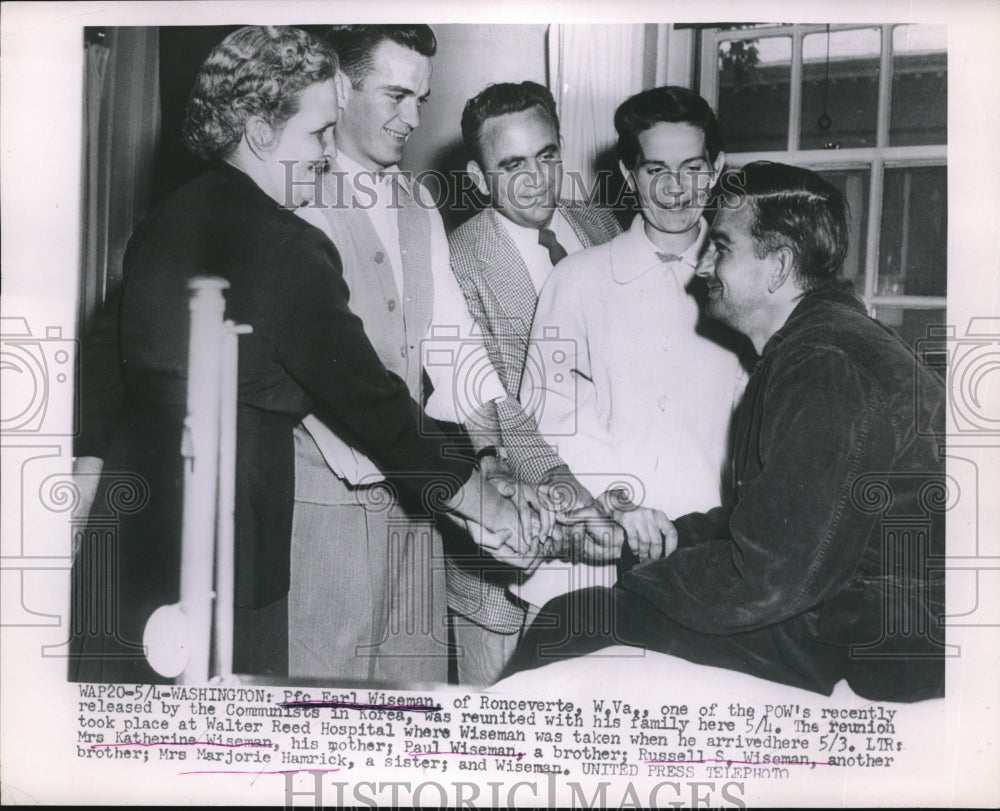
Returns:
<point x="559" y="389"/>
<point x="454" y="355"/>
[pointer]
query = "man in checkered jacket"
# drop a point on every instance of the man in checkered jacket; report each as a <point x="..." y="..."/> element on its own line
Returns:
<point x="502" y="257"/>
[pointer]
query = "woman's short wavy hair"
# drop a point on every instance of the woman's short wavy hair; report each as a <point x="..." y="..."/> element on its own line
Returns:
<point x="256" y="70"/>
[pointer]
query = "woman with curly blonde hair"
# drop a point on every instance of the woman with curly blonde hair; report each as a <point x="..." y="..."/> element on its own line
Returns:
<point x="263" y="110"/>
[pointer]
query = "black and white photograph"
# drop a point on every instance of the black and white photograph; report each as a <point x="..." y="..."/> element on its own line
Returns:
<point x="584" y="405"/>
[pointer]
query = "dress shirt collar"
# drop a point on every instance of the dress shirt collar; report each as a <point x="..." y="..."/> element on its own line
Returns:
<point x="352" y="168"/>
<point x="526" y="239"/>
<point x="534" y="255"/>
<point x="636" y="254"/>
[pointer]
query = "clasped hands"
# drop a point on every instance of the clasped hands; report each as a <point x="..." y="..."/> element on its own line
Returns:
<point x="559" y="519"/>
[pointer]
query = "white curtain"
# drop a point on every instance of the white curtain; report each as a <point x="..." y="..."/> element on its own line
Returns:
<point x="121" y="133"/>
<point x="95" y="215"/>
<point x="592" y="69"/>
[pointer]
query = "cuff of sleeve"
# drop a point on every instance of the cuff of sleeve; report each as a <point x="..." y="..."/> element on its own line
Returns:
<point x="695" y="528"/>
<point x="491" y="388"/>
<point x="435" y="488"/>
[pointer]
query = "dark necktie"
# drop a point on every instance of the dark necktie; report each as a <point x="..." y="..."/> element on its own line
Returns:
<point x="547" y="239"/>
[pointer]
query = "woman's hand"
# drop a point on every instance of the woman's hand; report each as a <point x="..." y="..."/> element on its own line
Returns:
<point x="507" y="530"/>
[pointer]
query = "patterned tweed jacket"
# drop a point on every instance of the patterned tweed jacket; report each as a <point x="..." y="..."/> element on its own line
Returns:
<point x="502" y="298"/>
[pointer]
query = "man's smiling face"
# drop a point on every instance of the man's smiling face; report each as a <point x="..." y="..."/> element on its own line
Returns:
<point x="379" y="115"/>
<point x="736" y="272"/>
<point x="523" y="164"/>
<point x="674" y="176"/>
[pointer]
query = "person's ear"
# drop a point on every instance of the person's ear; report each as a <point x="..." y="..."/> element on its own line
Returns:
<point x="717" y="166"/>
<point x="782" y="269"/>
<point x="344" y="88"/>
<point x="476" y="173"/>
<point x="259" y="135"/>
<point x="628" y="175"/>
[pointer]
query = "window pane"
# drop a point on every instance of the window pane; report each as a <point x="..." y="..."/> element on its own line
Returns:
<point x="840" y="94"/>
<point x="919" y="85"/>
<point x="754" y="80"/>
<point x="853" y="184"/>
<point x="913" y="254"/>
<point x="921" y="329"/>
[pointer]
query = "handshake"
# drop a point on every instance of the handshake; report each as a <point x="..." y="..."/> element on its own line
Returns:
<point x="558" y="519"/>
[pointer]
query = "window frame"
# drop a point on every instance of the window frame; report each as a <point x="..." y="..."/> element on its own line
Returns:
<point x="876" y="159"/>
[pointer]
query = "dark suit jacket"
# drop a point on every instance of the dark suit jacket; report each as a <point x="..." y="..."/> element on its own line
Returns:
<point x="307" y="353"/>
<point x="827" y="565"/>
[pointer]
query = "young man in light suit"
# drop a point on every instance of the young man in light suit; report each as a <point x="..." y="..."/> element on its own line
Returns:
<point x="502" y="257"/>
<point x="367" y="599"/>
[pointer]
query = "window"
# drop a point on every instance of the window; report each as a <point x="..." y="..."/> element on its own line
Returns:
<point x="866" y="107"/>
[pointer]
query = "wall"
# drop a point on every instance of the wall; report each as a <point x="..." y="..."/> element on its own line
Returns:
<point x="469" y="58"/>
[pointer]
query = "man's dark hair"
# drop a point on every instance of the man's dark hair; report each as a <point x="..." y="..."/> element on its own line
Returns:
<point x="355" y="45"/>
<point x="502" y="99"/>
<point x="670" y="104"/>
<point x="794" y="208"/>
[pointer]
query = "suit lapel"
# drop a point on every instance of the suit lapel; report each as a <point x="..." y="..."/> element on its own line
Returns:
<point x="593" y="226"/>
<point x="511" y="293"/>
<point x="579" y="227"/>
<point x="507" y="290"/>
<point x="506" y="277"/>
